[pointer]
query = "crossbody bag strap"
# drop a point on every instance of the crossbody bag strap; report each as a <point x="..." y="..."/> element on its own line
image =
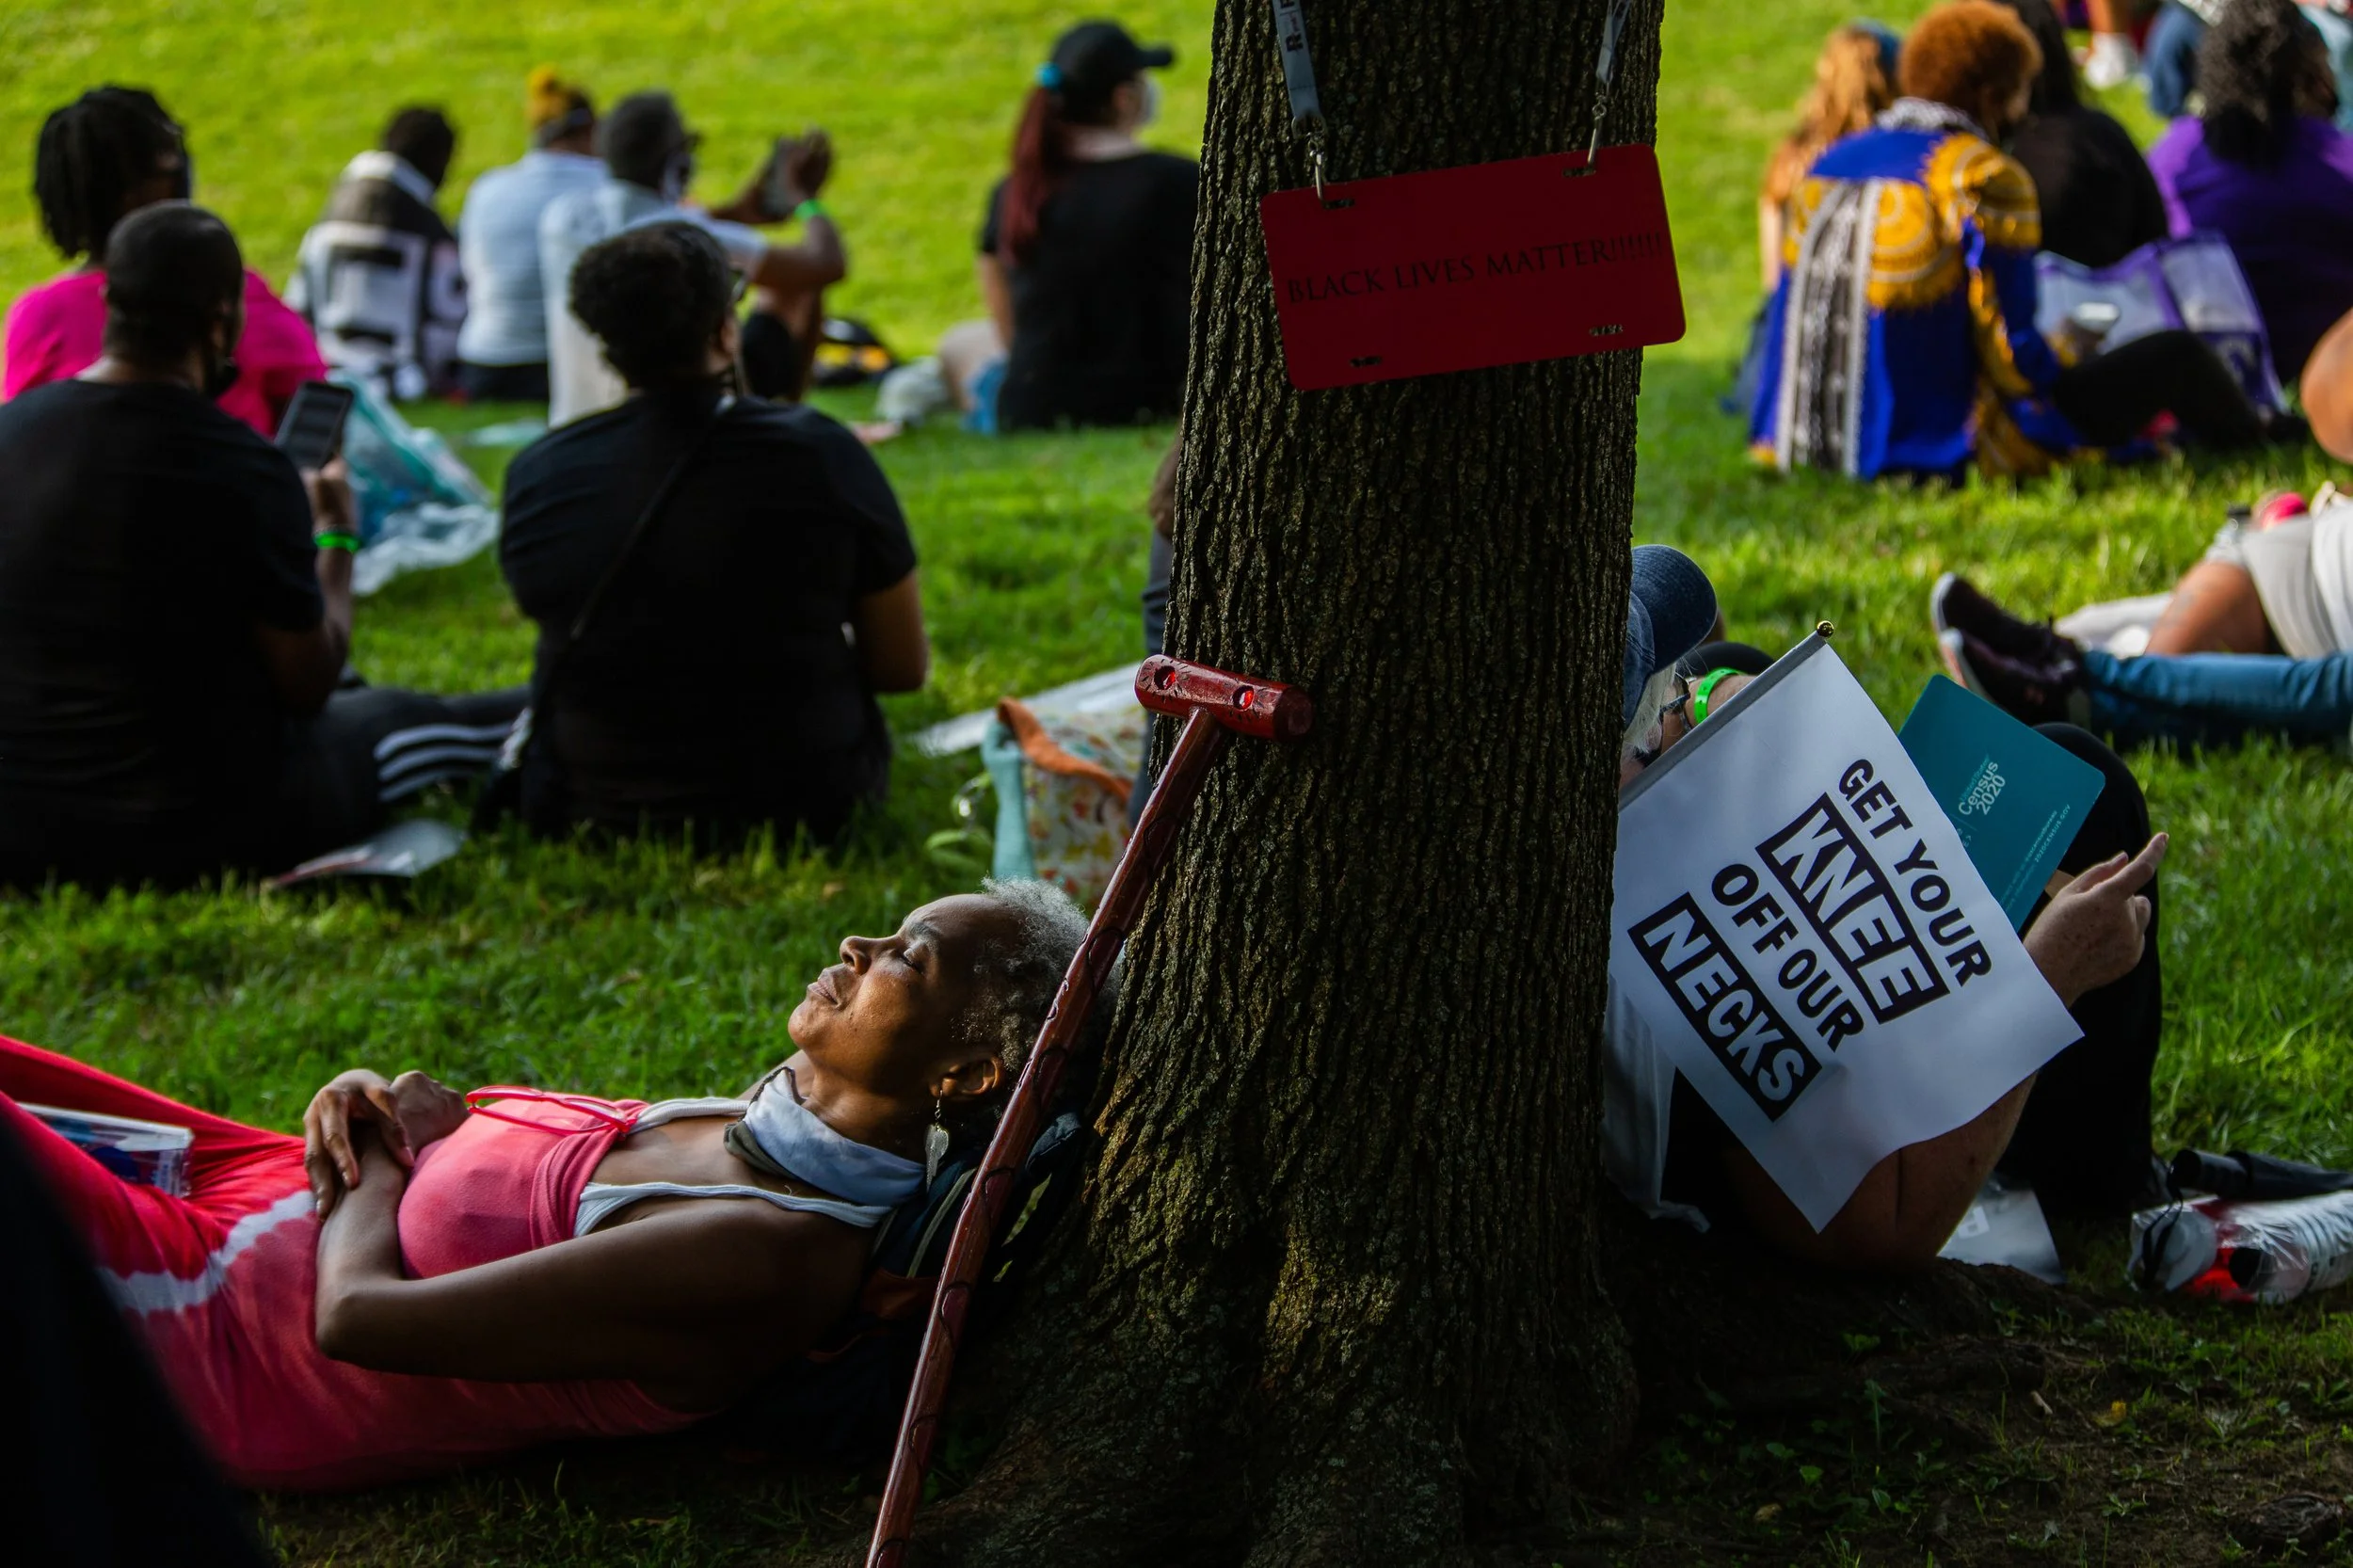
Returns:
<point x="655" y="506"/>
<point x="501" y="797"/>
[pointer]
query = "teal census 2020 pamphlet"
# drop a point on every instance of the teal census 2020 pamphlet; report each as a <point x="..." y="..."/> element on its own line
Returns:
<point x="2016" y="798"/>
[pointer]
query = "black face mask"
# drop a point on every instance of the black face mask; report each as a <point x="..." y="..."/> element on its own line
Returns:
<point x="220" y="375"/>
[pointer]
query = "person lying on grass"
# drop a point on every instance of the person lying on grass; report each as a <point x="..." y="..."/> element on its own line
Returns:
<point x="2288" y="586"/>
<point x="2078" y="1130"/>
<point x="428" y="1278"/>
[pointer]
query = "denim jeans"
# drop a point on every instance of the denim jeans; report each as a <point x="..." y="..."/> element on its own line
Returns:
<point x="2168" y="58"/>
<point x="2219" y="699"/>
<point x="2337" y="33"/>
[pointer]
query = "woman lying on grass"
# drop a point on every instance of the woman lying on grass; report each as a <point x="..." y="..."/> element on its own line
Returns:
<point x="428" y="1278"/>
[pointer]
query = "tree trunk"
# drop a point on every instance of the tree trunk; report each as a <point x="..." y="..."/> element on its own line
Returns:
<point x="1331" y="1294"/>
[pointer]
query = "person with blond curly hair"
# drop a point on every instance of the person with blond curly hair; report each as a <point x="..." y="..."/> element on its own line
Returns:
<point x="1902" y="337"/>
<point x="1854" y="80"/>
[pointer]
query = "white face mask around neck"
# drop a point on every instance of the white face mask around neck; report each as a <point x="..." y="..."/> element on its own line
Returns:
<point x="796" y="1141"/>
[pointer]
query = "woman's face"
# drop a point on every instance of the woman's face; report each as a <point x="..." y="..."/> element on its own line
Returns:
<point x="1674" y="723"/>
<point x="169" y="180"/>
<point x="884" y="1019"/>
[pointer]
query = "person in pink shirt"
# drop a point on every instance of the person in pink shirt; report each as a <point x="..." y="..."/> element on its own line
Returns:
<point x="107" y="154"/>
<point x="429" y="1278"/>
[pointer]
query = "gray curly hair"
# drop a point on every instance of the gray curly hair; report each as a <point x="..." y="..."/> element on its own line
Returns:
<point x="1020" y="967"/>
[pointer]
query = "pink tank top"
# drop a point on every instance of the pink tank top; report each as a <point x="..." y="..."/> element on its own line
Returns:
<point x="278" y="1413"/>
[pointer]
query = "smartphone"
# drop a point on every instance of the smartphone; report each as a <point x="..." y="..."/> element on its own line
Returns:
<point x="313" y="430"/>
<point x="776" y="189"/>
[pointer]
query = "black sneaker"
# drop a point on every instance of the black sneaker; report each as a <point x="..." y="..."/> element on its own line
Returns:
<point x="1956" y="606"/>
<point x="2027" y="691"/>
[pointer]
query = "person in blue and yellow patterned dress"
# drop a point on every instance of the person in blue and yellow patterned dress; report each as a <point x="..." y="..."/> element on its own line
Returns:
<point x="1902" y="340"/>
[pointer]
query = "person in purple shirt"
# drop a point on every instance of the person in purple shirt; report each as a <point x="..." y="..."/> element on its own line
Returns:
<point x="2266" y="167"/>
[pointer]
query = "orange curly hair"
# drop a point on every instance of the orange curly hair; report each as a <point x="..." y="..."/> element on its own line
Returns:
<point x="1973" y="56"/>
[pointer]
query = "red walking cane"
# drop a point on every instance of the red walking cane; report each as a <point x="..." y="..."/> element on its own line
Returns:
<point x="1215" y="707"/>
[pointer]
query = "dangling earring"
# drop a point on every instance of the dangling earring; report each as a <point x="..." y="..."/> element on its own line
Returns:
<point x="934" y="1144"/>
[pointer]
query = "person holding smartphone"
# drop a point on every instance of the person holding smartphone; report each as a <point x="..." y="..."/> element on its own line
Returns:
<point x="175" y="609"/>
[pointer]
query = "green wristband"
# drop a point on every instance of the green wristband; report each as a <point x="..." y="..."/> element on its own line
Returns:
<point x="808" y="209"/>
<point x="1700" y="694"/>
<point x="347" y="543"/>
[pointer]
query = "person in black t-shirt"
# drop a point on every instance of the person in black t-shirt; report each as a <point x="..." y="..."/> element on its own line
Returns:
<point x="2100" y="203"/>
<point x="726" y="677"/>
<point x="171" y="631"/>
<point x="1086" y="255"/>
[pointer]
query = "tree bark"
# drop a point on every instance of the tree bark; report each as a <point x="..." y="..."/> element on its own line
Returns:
<point x="1331" y="1294"/>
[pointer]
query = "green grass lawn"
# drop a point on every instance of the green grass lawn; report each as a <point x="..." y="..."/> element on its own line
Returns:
<point x="638" y="971"/>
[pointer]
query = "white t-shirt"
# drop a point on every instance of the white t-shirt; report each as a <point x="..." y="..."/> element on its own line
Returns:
<point x="498" y="245"/>
<point x="580" y="382"/>
<point x="2332" y="568"/>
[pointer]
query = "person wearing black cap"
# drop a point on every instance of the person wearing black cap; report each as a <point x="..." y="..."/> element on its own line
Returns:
<point x="175" y="611"/>
<point x="2079" y="1130"/>
<point x="1086" y="255"/>
<point x="649" y="155"/>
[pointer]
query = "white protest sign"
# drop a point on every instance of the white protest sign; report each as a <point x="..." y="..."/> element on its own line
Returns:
<point x="1799" y="928"/>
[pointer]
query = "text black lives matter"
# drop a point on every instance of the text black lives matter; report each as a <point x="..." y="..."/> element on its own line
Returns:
<point x="1384" y="278"/>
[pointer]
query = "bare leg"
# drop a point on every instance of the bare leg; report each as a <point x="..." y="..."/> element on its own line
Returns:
<point x="2215" y="610"/>
<point x="2112" y="58"/>
<point x="803" y="313"/>
<point x="965" y="349"/>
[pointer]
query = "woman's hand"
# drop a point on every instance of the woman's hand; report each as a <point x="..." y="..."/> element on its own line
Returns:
<point x="806" y="160"/>
<point x="408" y="1112"/>
<point x="2091" y="933"/>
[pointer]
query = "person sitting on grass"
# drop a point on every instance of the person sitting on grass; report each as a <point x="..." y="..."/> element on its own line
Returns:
<point x="2193" y="699"/>
<point x="100" y="159"/>
<point x="2079" y="1130"/>
<point x="378" y="275"/>
<point x="2262" y="166"/>
<point x="649" y="155"/>
<point x="425" y="1278"/>
<point x="2099" y="202"/>
<point x="1902" y="337"/>
<point x="1854" y="82"/>
<point x="713" y="685"/>
<point x="502" y="348"/>
<point x="175" y="611"/>
<point x="1086" y="255"/>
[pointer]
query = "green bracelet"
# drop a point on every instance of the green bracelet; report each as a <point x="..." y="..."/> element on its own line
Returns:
<point x="808" y="209"/>
<point x="1701" y="691"/>
<point x="348" y="543"/>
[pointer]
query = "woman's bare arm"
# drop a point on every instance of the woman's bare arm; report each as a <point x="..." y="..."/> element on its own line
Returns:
<point x="892" y="646"/>
<point x="997" y="293"/>
<point x="695" y="1300"/>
